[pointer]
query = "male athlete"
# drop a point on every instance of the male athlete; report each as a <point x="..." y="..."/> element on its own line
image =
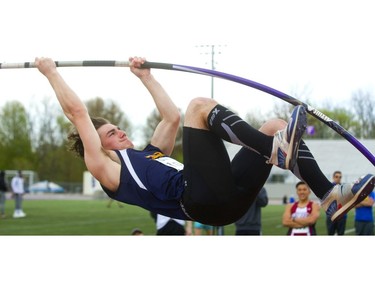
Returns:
<point x="207" y="187"/>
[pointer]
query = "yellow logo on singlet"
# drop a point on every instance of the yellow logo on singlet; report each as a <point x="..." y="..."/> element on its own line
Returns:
<point x="156" y="155"/>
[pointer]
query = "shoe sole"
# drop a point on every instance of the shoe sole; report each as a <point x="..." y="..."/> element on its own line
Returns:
<point x="297" y="133"/>
<point x="358" y="197"/>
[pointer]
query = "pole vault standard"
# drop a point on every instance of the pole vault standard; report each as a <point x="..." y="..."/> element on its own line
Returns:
<point x="197" y="70"/>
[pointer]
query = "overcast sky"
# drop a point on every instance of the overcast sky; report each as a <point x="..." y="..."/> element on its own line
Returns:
<point x="322" y="48"/>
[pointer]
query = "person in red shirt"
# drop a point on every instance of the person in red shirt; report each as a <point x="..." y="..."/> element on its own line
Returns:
<point x="300" y="217"/>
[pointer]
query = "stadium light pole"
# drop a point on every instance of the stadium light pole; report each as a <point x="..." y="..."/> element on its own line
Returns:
<point x="212" y="52"/>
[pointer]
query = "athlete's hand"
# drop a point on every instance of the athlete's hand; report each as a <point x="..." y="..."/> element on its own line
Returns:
<point x="45" y="65"/>
<point x="135" y="67"/>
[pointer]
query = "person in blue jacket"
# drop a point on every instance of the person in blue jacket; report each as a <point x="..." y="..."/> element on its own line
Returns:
<point x="364" y="216"/>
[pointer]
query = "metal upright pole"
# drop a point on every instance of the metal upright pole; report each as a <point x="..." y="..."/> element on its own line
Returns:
<point x="219" y="230"/>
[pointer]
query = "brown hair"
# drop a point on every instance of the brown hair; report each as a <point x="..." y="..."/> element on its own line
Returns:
<point x="74" y="140"/>
<point x="300" y="183"/>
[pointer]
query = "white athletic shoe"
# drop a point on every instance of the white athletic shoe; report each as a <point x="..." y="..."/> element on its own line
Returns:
<point x="22" y="214"/>
<point x="16" y="214"/>
<point x="286" y="142"/>
<point x="343" y="197"/>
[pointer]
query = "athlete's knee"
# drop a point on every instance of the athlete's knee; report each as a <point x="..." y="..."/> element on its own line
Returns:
<point x="201" y="104"/>
<point x="197" y="112"/>
<point x="270" y="127"/>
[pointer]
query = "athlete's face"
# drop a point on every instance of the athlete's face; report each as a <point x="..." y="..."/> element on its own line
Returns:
<point x="337" y="178"/>
<point x="303" y="192"/>
<point x="112" y="138"/>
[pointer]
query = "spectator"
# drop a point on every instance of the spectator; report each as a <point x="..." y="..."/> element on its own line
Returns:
<point x="364" y="218"/>
<point x="285" y="200"/>
<point x="3" y="190"/>
<point x="18" y="191"/>
<point x="250" y="223"/>
<point x="300" y="217"/>
<point x="338" y="227"/>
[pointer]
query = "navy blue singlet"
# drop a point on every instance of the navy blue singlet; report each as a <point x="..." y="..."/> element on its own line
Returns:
<point x="151" y="180"/>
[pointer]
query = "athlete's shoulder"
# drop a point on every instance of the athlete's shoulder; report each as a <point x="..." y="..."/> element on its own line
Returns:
<point x="151" y="147"/>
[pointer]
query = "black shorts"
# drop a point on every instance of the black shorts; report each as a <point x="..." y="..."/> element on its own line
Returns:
<point x="215" y="192"/>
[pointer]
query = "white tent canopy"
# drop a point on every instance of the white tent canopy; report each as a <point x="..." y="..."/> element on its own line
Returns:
<point x="46" y="186"/>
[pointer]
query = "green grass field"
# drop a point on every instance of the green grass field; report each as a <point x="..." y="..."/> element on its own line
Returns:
<point x="93" y="217"/>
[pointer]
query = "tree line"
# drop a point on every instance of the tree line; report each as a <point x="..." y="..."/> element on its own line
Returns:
<point x="35" y="138"/>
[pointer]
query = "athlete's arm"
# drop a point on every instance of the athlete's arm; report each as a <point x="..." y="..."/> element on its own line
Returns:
<point x="97" y="161"/>
<point x="312" y="217"/>
<point x="288" y="221"/>
<point x="368" y="202"/>
<point x="164" y="136"/>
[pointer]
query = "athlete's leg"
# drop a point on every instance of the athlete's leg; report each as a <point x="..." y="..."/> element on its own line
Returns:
<point x="260" y="140"/>
<point x="211" y="194"/>
<point x="308" y="170"/>
<point x="280" y="149"/>
<point x="205" y="113"/>
<point x="208" y="179"/>
<point x="197" y="112"/>
<point x="249" y="168"/>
